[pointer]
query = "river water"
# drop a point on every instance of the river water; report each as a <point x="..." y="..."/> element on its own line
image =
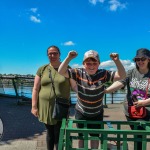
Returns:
<point x="117" y="97"/>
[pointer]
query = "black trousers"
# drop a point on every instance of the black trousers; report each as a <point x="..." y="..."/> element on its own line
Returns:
<point x="52" y="137"/>
<point x="80" y="116"/>
<point x="139" y="144"/>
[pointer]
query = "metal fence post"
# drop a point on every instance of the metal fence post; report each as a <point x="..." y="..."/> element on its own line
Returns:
<point x="15" y="88"/>
<point x="105" y="105"/>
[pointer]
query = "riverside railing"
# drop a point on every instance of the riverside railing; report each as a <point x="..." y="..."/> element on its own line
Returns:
<point x="20" y="87"/>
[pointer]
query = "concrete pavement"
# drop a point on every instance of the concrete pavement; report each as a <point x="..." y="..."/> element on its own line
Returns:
<point x="23" y="131"/>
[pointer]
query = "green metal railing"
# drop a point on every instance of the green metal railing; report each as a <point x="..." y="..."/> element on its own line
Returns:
<point x="110" y="131"/>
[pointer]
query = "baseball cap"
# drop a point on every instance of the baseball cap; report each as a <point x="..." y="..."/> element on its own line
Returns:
<point x="142" y="52"/>
<point x="91" y="54"/>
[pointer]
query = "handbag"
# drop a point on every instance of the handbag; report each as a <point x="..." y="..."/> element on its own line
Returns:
<point x="61" y="105"/>
<point x="61" y="108"/>
<point x="135" y="112"/>
<point x="139" y="112"/>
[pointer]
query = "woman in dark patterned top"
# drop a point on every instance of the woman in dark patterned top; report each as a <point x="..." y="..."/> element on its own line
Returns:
<point x="138" y="78"/>
<point x="90" y="86"/>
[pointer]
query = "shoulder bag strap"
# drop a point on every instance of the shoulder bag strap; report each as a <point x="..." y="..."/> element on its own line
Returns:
<point x="129" y="99"/>
<point x="147" y="89"/>
<point x="128" y="86"/>
<point x="50" y="76"/>
<point x="42" y="70"/>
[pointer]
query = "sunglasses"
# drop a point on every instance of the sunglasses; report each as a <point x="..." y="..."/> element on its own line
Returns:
<point x="53" y="53"/>
<point x="140" y="59"/>
<point x="91" y="64"/>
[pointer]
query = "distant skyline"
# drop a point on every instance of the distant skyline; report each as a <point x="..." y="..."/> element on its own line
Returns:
<point x="28" y="28"/>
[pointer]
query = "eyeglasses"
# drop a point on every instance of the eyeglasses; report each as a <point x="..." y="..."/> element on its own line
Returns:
<point x="53" y="53"/>
<point x="140" y="59"/>
<point x="91" y="64"/>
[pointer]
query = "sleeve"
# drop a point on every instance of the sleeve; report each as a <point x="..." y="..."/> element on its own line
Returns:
<point x="38" y="73"/>
<point x="110" y="75"/>
<point x="129" y="75"/>
<point x="41" y="70"/>
<point x="72" y="73"/>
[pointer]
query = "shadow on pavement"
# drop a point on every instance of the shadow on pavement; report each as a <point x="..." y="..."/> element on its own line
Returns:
<point x="18" y="122"/>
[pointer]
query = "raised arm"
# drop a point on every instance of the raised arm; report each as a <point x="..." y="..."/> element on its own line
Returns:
<point x="64" y="65"/>
<point x="120" y="73"/>
<point x="114" y="87"/>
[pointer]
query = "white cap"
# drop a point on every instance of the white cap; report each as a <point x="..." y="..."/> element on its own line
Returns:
<point x="91" y="54"/>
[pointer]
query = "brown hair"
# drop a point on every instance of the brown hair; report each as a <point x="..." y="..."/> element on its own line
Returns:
<point x="53" y="47"/>
<point x="148" y="66"/>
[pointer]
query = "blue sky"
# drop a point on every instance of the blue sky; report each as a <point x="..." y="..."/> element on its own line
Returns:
<point x="28" y="27"/>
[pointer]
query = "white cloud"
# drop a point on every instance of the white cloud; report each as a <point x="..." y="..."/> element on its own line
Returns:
<point x="68" y="43"/>
<point x="107" y="63"/>
<point x="110" y="65"/>
<point x="35" y="19"/>
<point x="116" y="4"/>
<point x="76" y="66"/>
<point x="96" y="1"/>
<point x="34" y="10"/>
<point x="113" y="5"/>
<point x="93" y="2"/>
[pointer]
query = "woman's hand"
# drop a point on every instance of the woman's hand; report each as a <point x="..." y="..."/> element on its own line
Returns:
<point x="139" y="103"/>
<point x="114" y="56"/>
<point x="34" y="111"/>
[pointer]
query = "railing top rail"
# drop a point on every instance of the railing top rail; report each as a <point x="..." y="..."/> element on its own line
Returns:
<point x="16" y="77"/>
